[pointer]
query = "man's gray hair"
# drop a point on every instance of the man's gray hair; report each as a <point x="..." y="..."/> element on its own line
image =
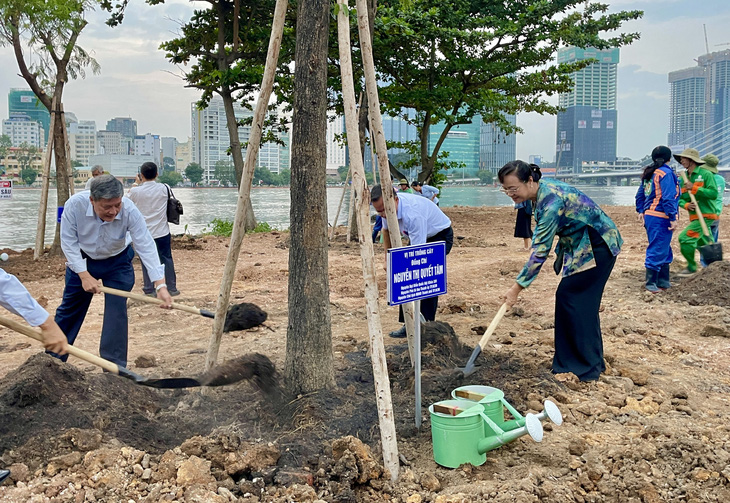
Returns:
<point x="106" y="187"/>
<point x="97" y="169"/>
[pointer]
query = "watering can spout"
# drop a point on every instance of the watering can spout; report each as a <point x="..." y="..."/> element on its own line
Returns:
<point x="532" y="427"/>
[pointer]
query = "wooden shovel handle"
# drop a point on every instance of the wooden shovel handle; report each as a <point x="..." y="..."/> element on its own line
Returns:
<point x="705" y="230"/>
<point x="493" y="325"/>
<point x="74" y="351"/>
<point x="149" y="300"/>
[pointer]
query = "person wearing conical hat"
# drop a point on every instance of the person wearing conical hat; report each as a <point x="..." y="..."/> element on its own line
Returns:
<point x="702" y="184"/>
<point x="711" y="162"/>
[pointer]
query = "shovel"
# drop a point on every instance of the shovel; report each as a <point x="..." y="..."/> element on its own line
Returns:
<point x="257" y="367"/>
<point x="469" y="368"/>
<point x="713" y="251"/>
<point x="239" y="317"/>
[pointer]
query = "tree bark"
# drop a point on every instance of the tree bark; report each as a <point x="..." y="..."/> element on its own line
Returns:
<point x="309" y="365"/>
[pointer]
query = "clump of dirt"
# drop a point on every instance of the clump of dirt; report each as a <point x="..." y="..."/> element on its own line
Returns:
<point x="244" y="316"/>
<point x="255" y="367"/>
<point x="708" y="287"/>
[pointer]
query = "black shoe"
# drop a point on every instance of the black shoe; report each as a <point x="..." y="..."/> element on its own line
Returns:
<point x="174" y="293"/>
<point x="3" y="475"/>
<point x="152" y="294"/>
<point x="400" y="333"/>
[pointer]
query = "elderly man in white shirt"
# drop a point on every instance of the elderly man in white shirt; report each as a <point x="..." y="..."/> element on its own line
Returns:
<point x="150" y="197"/>
<point x="95" y="171"/>
<point x="426" y="191"/>
<point x="97" y="229"/>
<point x="16" y="299"/>
<point x="423" y="222"/>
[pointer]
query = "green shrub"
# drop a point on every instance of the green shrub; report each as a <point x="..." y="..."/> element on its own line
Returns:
<point x="262" y="227"/>
<point x="219" y="228"/>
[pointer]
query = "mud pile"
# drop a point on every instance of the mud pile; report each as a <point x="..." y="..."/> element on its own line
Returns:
<point x="710" y="286"/>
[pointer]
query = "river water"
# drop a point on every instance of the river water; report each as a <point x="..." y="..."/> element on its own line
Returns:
<point x="19" y="215"/>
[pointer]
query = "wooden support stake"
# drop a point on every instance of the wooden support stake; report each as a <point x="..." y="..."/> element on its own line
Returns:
<point x="40" y="235"/>
<point x="339" y="206"/>
<point x="377" y="132"/>
<point x="244" y="192"/>
<point x="67" y="147"/>
<point x="362" y="212"/>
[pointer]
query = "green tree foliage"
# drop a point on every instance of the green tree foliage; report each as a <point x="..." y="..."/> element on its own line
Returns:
<point x="171" y="178"/>
<point x="485" y="176"/>
<point x="168" y="164"/>
<point x="5" y="144"/>
<point x="28" y="175"/>
<point x="194" y="173"/>
<point x="225" y="173"/>
<point x="452" y="60"/>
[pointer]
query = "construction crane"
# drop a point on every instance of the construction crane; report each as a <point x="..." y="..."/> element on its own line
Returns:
<point x="707" y="46"/>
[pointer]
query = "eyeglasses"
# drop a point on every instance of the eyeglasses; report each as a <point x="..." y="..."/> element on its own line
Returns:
<point x="509" y="190"/>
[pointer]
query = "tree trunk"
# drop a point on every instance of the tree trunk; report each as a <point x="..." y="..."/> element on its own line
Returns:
<point x="309" y="365"/>
<point x="236" y="153"/>
<point x="60" y="154"/>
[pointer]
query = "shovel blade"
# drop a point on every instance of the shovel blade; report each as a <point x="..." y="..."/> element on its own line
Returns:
<point x="470" y="368"/>
<point x="171" y="383"/>
<point x="711" y="253"/>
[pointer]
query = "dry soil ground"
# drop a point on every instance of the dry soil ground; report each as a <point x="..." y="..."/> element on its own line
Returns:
<point x="653" y="428"/>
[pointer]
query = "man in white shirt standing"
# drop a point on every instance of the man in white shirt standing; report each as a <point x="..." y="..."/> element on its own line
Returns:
<point x="95" y="171"/>
<point x="16" y="299"/>
<point x="423" y="222"/>
<point x="97" y="229"/>
<point x="150" y="197"/>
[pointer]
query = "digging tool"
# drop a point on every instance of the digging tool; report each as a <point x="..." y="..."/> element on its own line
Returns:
<point x="255" y="367"/>
<point x="239" y="317"/>
<point x="713" y="251"/>
<point x="469" y="368"/>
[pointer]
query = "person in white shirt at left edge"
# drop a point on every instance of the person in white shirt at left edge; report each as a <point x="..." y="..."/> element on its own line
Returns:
<point x="16" y="299"/>
<point x="95" y="227"/>
<point x="150" y="197"/>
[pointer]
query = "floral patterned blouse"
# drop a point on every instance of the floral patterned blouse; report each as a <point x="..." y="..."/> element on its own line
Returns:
<point x="563" y="210"/>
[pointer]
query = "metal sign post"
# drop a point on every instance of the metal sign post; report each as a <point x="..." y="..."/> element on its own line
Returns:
<point x="414" y="273"/>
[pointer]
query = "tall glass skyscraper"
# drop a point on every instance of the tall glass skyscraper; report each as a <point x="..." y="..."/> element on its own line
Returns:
<point x="24" y="101"/>
<point x="587" y="126"/>
<point x="699" y="114"/>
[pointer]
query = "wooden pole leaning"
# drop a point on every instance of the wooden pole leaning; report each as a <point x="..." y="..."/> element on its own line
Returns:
<point x="362" y="211"/>
<point x="244" y="191"/>
<point x="339" y="206"/>
<point x="67" y="147"/>
<point x="40" y="235"/>
<point x="377" y="132"/>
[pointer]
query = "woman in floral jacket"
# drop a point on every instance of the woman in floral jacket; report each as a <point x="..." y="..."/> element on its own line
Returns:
<point x="588" y="242"/>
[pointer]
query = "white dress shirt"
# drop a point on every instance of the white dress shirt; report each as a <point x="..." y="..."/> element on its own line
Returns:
<point x="82" y="229"/>
<point x="16" y="299"/>
<point x="429" y="192"/>
<point x="150" y="198"/>
<point x="419" y="218"/>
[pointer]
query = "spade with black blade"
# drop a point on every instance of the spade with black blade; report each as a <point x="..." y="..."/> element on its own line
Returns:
<point x="713" y="251"/>
<point x="239" y="316"/>
<point x="469" y="368"/>
<point x="255" y="367"/>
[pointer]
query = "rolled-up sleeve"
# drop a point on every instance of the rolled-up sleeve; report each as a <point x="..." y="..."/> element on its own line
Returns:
<point x="70" y="239"/>
<point x="144" y="245"/>
<point x="16" y="299"/>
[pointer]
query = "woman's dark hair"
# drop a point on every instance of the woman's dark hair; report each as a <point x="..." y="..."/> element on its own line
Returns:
<point x="522" y="170"/>
<point x="659" y="156"/>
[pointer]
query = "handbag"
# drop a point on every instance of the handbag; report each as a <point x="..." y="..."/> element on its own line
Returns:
<point x="174" y="207"/>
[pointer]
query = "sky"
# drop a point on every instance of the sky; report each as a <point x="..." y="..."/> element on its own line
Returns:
<point x="137" y="81"/>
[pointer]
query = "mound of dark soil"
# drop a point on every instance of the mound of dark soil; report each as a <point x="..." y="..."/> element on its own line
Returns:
<point x="47" y="405"/>
<point x="710" y="285"/>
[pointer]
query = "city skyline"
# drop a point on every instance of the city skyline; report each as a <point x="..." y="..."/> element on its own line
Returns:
<point x="136" y="80"/>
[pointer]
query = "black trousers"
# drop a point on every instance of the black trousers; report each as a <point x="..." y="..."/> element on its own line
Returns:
<point x="578" y="341"/>
<point x="429" y="306"/>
